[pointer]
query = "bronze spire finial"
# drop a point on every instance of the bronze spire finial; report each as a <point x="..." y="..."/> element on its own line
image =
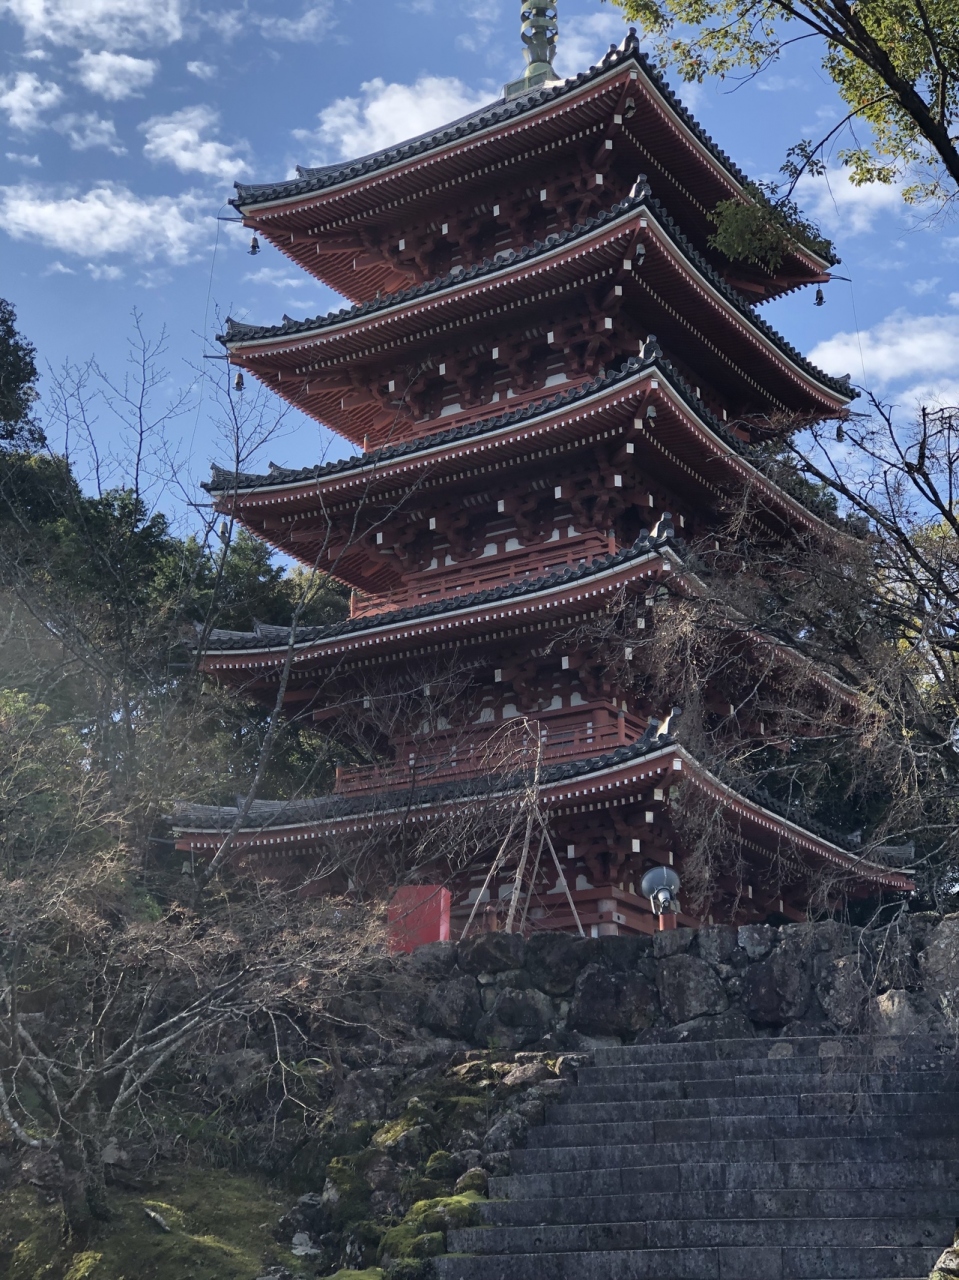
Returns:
<point x="538" y="32"/>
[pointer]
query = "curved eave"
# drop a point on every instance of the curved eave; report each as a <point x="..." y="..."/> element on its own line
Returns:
<point x="385" y="322"/>
<point x="364" y="175"/>
<point x="367" y="475"/>
<point x="450" y="618"/>
<point x="605" y="786"/>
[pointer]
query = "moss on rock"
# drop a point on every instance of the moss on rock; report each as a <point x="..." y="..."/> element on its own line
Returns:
<point x="221" y="1227"/>
<point x="426" y="1225"/>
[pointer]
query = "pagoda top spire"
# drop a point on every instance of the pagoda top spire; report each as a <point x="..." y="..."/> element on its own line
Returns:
<point x="538" y="31"/>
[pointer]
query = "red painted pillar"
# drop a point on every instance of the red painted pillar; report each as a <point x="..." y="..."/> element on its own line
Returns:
<point x="418" y="913"/>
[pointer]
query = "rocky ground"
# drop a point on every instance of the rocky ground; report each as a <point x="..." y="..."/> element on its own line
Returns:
<point x="484" y="1038"/>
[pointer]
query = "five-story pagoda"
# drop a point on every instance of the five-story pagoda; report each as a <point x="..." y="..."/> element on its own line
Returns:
<point x="534" y="464"/>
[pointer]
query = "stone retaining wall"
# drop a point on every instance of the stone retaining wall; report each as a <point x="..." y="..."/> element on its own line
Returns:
<point x="559" y="992"/>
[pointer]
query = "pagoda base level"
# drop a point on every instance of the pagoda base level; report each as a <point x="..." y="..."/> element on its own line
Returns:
<point x="605" y="911"/>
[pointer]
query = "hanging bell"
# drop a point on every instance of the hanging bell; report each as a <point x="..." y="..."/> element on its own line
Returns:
<point x="238" y="381"/>
<point x="254" y="247"/>
<point x="820" y="298"/>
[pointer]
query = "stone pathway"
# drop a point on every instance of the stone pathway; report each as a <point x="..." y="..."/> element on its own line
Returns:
<point x="758" y="1159"/>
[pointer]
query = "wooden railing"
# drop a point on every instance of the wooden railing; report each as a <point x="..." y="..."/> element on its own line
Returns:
<point x="481" y="572"/>
<point x="426" y="764"/>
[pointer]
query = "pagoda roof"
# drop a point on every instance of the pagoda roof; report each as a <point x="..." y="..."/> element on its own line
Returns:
<point x="242" y="339"/>
<point x="498" y="112"/>
<point x="635" y="369"/>
<point x="559" y="783"/>
<point x="311" y="180"/>
<point x="266" y="638"/>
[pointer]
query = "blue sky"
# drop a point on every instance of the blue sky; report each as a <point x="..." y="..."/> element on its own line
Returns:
<point x="126" y="121"/>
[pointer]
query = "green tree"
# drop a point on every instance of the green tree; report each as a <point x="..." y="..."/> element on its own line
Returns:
<point x="895" y="64"/>
<point x="18" y="377"/>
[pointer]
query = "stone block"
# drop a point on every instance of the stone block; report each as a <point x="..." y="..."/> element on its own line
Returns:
<point x="433" y="959"/>
<point x="453" y="1008"/>
<point x="689" y="988"/>
<point x="731" y="1025"/>
<point x="671" y="942"/>
<point x="939" y="965"/>
<point x="491" y="953"/>
<point x="776" y="990"/>
<point x="717" y="943"/>
<point x="612" y="1003"/>
<point x="516" y="1019"/>
<point x="843" y="992"/>
<point x="757" y="940"/>
<point x="553" y="961"/>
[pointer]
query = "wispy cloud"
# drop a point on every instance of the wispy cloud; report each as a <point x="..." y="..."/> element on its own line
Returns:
<point x="584" y="39"/>
<point x="25" y="97"/>
<point x="384" y="114"/>
<point x="107" y="221"/>
<point x="111" y="24"/>
<point x="202" y="70"/>
<point x="311" y="25"/>
<point x="30" y="162"/>
<point x="114" y="76"/>
<point x="838" y="205"/>
<point x="912" y="357"/>
<point x="181" y="139"/>
<point x="278" y="277"/>
<point x="83" y="132"/>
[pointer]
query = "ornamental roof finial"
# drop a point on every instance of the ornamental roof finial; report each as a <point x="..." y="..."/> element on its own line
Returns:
<point x="538" y="32"/>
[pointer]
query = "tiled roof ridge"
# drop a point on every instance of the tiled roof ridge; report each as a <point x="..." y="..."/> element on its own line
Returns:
<point x="238" y="331"/>
<point x="309" y="180"/>
<point x="226" y="481"/>
<point x="273" y="813"/>
<point x="277" y="635"/>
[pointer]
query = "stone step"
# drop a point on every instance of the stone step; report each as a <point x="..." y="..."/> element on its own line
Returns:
<point x="759" y="1263"/>
<point x="639" y="1177"/>
<point x="738" y="1129"/>
<point x="609" y="1154"/>
<point x="766" y="1047"/>
<point x="764" y="1084"/>
<point x="791" y="1105"/>
<point x="705" y="1233"/>
<point x="939" y="1066"/>
<point x="796" y="1202"/>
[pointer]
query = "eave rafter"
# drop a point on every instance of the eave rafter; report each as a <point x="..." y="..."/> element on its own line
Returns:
<point x="609" y="785"/>
<point x="311" y="363"/>
<point x="498" y="139"/>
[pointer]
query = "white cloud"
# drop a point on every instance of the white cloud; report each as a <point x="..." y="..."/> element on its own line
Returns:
<point x="90" y="130"/>
<point x="584" y="39"/>
<point x="107" y="220"/>
<point x="921" y="287"/>
<point x="56" y="268"/>
<point x="278" y="277"/>
<point x="837" y="205"/>
<point x="485" y="17"/>
<point x="101" y="271"/>
<point x="917" y="353"/>
<point x="202" y="70"/>
<point x="779" y="84"/>
<point x="24" y="97"/>
<point x="31" y="162"/>
<point x="179" y="139"/>
<point x="114" y="75"/>
<point x="113" y="24"/>
<point x="311" y="26"/>
<point x="390" y="113"/>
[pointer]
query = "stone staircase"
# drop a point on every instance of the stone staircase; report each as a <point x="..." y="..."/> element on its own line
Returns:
<point x="760" y="1159"/>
